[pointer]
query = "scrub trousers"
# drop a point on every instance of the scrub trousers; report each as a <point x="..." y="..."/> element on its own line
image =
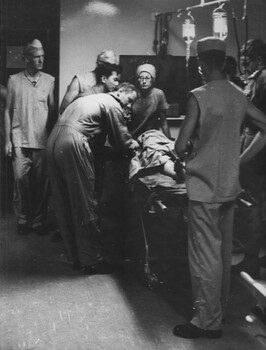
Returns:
<point x="209" y="248"/>
<point x="30" y="198"/>
<point x="72" y="178"/>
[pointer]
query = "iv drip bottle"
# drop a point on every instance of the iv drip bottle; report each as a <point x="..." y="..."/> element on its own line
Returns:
<point x="219" y="23"/>
<point x="188" y="29"/>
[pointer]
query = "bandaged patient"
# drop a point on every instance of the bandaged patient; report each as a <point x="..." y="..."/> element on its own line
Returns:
<point x="157" y="164"/>
<point x="156" y="155"/>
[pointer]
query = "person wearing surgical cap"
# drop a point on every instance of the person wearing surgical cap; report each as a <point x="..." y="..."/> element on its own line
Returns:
<point x="149" y="111"/>
<point x="104" y="78"/>
<point x="253" y="175"/>
<point x="29" y="112"/>
<point x="212" y="126"/>
<point x="72" y="150"/>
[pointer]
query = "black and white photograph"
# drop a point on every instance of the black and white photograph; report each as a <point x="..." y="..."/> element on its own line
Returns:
<point x="133" y="175"/>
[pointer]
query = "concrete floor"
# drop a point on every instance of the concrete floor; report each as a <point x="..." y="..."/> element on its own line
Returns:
<point x="46" y="306"/>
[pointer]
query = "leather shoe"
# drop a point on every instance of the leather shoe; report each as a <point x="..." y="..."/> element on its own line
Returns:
<point x="23" y="229"/>
<point x="190" y="331"/>
<point x="101" y="268"/>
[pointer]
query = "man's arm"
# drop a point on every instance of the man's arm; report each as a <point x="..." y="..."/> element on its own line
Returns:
<point x="3" y="91"/>
<point x="164" y="124"/>
<point x="8" y="142"/>
<point x="52" y="116"/>
<point x="259" y="141"/>
<point x="188" y="126"/>
<point x="70" y="95"/>
<point x="118" y="133"/>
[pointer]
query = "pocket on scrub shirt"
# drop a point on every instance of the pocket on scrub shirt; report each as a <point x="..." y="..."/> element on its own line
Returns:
<point x="43" y="97"/>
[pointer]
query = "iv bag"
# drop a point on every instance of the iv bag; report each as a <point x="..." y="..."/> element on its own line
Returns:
<point x="219" y="23"/>
<point x="188" y="29"/>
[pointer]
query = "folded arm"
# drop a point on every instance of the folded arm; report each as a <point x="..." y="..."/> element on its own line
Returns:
<point x="259" y="141"/>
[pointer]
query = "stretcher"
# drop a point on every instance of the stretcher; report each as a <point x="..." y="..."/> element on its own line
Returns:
<point x="155" y="192"/>
<point x="258" y="290"/>
<point x="155" y="195"/>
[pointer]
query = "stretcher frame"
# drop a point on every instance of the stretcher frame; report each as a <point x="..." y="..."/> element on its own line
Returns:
<point x="153" y="202"/>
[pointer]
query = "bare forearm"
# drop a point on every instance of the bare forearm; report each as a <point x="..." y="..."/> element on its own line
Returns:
<point x="166" y="130"/>
<point x="164" y="125"/>
<point x="258" y="143"/>
<point x="70" y="95"/>
<point x="8" y="142"/>
<point x="182" y="144"/>
<point x="7" y="126"/>
<point x="65" y="103"/>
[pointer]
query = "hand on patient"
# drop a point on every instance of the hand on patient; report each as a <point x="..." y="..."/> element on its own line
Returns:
<point x="175" y="169"/>
<point x="179" y="171"/>
<point x="135" y="144"/>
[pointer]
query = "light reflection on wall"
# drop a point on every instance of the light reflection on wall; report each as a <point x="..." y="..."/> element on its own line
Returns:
<point x="101" y="8"/>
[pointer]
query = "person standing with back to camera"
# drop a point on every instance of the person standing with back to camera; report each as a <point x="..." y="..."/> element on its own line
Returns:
<point x="28" y="114"/>
<point x="214" y="116"/>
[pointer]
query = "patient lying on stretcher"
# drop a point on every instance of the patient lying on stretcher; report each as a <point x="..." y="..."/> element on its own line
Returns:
<point x="156" y="162"/>
<point x="157" y="166"/>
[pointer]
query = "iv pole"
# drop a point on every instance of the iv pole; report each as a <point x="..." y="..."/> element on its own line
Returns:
<point x="203" y="3"/>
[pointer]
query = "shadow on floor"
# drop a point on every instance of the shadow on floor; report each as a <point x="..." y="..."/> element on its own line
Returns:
<point x="47" y="306"/>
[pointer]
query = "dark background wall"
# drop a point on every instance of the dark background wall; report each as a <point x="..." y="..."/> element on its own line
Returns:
<point x="25" y="20"/>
